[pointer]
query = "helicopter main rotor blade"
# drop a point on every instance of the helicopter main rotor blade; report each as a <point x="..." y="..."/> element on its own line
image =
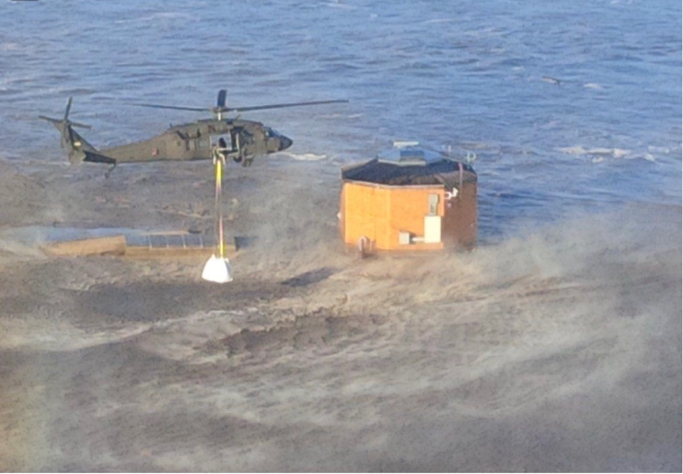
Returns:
<point x="219" y="109"/>
<point x="173" y="107"/>
<point x="281" y="106"/>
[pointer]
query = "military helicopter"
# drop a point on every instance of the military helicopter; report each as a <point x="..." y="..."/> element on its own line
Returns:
<point x="229" y="138"/>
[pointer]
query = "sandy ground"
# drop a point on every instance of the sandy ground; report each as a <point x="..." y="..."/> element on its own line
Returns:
<point x="557" y="350"/>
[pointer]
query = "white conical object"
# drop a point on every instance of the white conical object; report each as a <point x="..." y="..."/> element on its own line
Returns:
<point x="217" y="270"/>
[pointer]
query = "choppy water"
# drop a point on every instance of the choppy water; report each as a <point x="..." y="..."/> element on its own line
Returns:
<point x="473" y="75"/>
<point x="556" y="350"/>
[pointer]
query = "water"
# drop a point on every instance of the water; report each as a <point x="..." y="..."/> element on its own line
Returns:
<point x="552" y="349"/>
<point x="471" y="75"/>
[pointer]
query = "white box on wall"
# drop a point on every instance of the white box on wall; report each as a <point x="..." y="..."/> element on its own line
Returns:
<point x="432" y="229"/>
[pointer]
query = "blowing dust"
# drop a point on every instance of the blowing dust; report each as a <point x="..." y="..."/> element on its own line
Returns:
<point x="555" y="349"/>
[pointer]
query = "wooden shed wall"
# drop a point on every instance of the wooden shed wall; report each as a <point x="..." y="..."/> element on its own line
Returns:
<point x="380" y="212"/>
<point x="459" y="226"/>
<point x="408" y="208"/>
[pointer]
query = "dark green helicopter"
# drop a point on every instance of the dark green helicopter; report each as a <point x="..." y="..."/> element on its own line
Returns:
<point x="241" y="140"/>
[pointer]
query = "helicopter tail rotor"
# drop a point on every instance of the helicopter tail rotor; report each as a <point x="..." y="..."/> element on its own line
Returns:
<point x="75" y="145"/>
<point x="61" y="123"/>
<point x="65" y="122"/>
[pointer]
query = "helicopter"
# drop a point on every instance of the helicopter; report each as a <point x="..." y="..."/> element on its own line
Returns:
<point x="222" y="137"/>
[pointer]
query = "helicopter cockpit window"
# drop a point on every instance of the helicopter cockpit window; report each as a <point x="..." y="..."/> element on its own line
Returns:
<point x="271" y="133"/>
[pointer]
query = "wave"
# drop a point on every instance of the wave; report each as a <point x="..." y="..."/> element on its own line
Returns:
<point x="305" y="156"/>
<point x="164" y="16"/>
<point x="599" y="154"/>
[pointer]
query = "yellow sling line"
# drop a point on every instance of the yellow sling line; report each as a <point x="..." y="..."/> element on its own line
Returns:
<point x="219" y="211"/>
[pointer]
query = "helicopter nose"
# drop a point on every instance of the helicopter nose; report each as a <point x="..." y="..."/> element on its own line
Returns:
<point x="285" y="142"/>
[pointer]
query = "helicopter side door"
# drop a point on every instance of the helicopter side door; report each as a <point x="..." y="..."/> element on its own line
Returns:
<point x="197" y="145"/>
<point x="226" y="143"/>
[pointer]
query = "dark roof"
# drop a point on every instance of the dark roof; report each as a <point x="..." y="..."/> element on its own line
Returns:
<point x="444" y="171"/>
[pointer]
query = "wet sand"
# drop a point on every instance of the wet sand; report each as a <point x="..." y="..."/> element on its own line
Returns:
<point x="557" y="350"/>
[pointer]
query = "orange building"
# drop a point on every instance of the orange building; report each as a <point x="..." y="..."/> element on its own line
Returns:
<point x="409" y="199"/>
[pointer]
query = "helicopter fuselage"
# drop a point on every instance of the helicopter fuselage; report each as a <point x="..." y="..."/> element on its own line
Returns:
<point x="237" y="139"/>
<point x="220" y="137"/>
